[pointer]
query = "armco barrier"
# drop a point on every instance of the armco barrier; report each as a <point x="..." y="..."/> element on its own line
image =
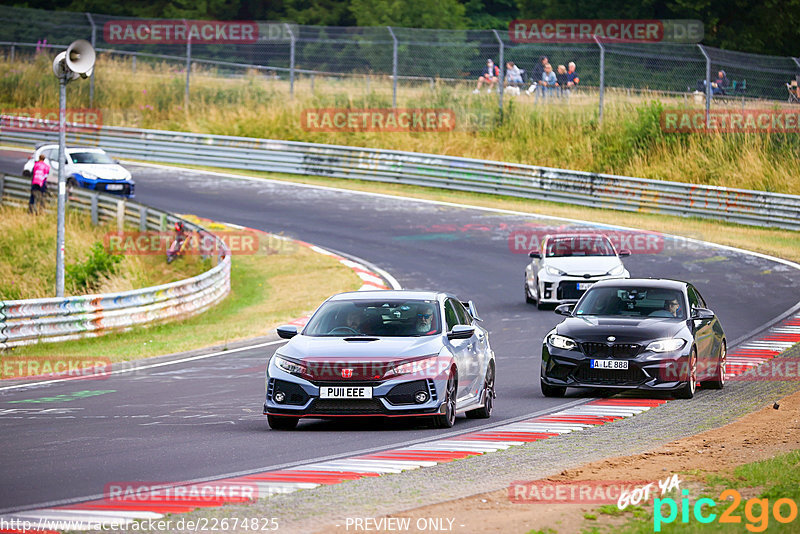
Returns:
<point x="428" y="170"/>
<point x="24" y="322"/>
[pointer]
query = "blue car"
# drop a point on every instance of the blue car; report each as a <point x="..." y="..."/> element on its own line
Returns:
<point x="86" y="167"/>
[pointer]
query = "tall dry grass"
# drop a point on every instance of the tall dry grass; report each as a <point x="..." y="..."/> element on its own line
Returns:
<point x="558" y="133"/>
<point x="28" y="259"/>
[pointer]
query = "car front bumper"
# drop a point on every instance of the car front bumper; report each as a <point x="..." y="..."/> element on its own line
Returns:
<point x="390" y="398"/>
<point x="647" y="370"/>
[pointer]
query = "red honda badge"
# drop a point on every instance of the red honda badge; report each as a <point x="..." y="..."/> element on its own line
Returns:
<point x="347" y="373"/>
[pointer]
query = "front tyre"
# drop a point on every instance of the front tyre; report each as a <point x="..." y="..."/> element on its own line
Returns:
<point x="489" y="395"/>
<point x="688" y="390"/>
<point x="448" y="418"/>
<point x="277" y="422"/>
<point x="552" y="391"/>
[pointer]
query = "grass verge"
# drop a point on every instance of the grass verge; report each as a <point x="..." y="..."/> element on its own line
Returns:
<point x="28" y="260"/>
<point x="265" y="291"/>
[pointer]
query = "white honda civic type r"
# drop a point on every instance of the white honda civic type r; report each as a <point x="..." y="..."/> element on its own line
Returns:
<point x="568" y="264"/>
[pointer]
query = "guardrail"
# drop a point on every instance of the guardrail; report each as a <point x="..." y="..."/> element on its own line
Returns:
<point x="25" y="322"/>
<point x="428" y="170"/>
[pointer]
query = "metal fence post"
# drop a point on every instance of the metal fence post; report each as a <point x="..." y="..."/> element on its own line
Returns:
<point x="2" y="185"/>
<point x="95" y="216"/>
<point x="708" y="83"/>
<point x="292" y="40"/>
<point x="394" y="66"/>
<point x="120" y="215"/>
<point x="602" y="79"/>
<point x="142" y="218"/>
<point x="13" y="52"/>
<point x="91" y="80"/>
<point x="133" y="63"/>
<point x="502" y="70"/>
<point x="188" y="66"/>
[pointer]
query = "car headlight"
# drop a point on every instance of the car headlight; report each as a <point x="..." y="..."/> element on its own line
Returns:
<point x="416" y="367"/>
<point x="553" y="271"/>
<point x="618" y="270"/>
<point x="89" y="175"/>
<point x="289" y="366"/>
<point x="666" y="345"/>
<point x="562" y="342"/>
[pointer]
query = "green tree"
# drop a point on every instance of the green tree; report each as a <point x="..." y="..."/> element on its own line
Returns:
<point x="446" y="14"/>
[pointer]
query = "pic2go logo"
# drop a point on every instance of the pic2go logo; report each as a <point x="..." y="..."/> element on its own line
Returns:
<point x="756" y="511"/>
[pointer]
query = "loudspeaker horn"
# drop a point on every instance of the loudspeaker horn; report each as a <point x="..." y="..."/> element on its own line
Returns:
<point x="80" y="57"/>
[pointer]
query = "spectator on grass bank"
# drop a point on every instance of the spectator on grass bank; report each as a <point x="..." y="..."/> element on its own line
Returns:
<point x="38" y="185"/>
<point x="490" y="75"/>
<point x="513" y="74"/>
<point x="718" y="86"/>
<point x="572" y="76"/>
<point x="536" y="73"/>
<point x="548" y="82"/>
<point x="561" y="78"/>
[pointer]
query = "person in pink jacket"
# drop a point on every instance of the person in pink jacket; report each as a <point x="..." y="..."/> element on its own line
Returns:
<point x="38" y="184"/>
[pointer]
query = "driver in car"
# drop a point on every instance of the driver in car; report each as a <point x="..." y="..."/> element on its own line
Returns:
<point x="424" y="323"/>
<point x="353" y="321"/>
<point x="673" y="307"/>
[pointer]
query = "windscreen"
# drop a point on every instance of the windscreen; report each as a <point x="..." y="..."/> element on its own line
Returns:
<point x="633" y="302"/>
<point x="392" y="318"/>
<point x="91" y="157"/>
<point x="593" y="245"/>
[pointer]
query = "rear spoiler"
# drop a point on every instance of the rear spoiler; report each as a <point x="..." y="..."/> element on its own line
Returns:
<point x="470" y="306"/>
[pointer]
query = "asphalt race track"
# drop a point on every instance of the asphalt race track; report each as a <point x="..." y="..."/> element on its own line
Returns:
<point x="203" y="418"/>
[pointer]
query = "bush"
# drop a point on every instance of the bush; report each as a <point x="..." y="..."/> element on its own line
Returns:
<point x="86" y="276"/>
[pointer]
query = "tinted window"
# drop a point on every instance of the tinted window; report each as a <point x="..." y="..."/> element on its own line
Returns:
<point x="393" y="318"/>
<point x="579" y="245"/>
<point x="450" y="316"/>
<point x="91" y="157"/>
<point x="694" y="302"/>
<point x="463" y="315"/>
<point x="632" y="302"/>
<point x="700" y="298"/>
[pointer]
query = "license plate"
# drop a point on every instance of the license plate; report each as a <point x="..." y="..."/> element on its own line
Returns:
<point x="583" y="286"/>
<point x="345" y="392"/>
<point x="609" y="364"/>
<point x="114" y="187"/>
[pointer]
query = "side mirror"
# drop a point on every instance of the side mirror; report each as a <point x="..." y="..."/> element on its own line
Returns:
<point x="287" y="332"/>
<point x="534" y="254"/>
<point x="116" y="161"/>
<point x="461" y="331"/>
<point x="624" y="253"/>
<point x="565" y="309"/>
<point x="702" y="313"/>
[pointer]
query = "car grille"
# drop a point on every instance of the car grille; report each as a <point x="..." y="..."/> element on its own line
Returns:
<point x="347" y="406"/>
<point x="569" y="291"/>
<point x="617" y="350"/>
<point x="404" y="393"/>
<point x="295" y="395"/>
<point x="610" y="377"/>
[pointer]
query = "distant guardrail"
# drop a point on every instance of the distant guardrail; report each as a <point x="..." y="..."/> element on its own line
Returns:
<point x="25" y="322"/>
<point x="428" y="170"/>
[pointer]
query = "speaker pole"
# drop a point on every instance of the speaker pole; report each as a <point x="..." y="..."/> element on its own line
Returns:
<point x="62" y="186"/>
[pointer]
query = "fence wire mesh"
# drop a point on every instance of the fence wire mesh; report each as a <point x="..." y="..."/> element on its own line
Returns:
<point x="384" y="58"/>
